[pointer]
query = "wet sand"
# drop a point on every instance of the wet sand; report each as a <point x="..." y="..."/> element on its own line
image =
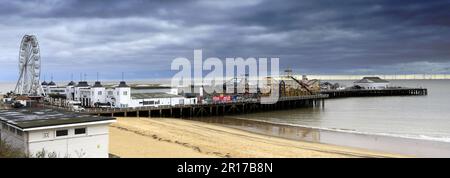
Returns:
<point x="162" y="137"/>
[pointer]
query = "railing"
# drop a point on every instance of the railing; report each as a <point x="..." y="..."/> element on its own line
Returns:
<point x="382" y="89"/>
<point x="239" y="101"/>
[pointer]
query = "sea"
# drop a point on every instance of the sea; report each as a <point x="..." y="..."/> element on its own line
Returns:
<point x="418" y="117"/>
<point x="426" y="117"/>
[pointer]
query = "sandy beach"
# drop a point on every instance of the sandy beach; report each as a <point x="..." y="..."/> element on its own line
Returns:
<point x="173" y="138"/>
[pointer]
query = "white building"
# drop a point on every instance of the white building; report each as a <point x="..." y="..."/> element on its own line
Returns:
<point x="65" y="134"/>
<point x="155" y="96"/>
<point x="52" y="88"/>
<point x="97" y="94"/>
<point x="372" y="83"/>
<point x="82" y="92"/>
<point x="70" y="91"/>
<point x="159" y="99"/>
<point x="122" y="95"/>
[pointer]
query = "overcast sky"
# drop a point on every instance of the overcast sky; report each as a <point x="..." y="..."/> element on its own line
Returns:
<point x="142" y="37"/>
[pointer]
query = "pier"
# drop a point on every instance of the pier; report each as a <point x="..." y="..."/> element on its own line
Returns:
<point x="375" y="92"/>
<point x="213" y="109"/>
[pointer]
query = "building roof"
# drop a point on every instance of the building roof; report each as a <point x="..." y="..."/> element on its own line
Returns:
<point x="44" y="83"/>
<point x="123" y="84"/>
<point x="97" y="84"/>
<point x="82" y="84"/>
<point x="372" y="80"/>
<point x="71" y="83"/>
<point x="152" y="95"/>
<point x="52" y="83"/>
<point x="139" y="87"/>
<point x="33" y="118"/>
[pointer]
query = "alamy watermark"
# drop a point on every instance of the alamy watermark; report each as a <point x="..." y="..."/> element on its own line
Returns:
<point x="251" y="75"/>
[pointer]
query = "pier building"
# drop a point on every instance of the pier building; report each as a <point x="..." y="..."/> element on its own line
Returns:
<point x="52" y="88"/>
<point x="372" y="83"/>
<point x="117" y="96"/>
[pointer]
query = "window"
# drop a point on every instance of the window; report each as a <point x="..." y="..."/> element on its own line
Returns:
<point x="79" y="131"/>
<point x="147" y="102"/>
<point x="4" y="126"/>
<point x="110" y="93"/>
<point x="60" y="133"/>
<point x="99" y="92"/>
<point x="125" y="93"/>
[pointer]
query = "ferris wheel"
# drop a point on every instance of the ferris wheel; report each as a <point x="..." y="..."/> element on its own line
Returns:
<point x="29" y="67"/>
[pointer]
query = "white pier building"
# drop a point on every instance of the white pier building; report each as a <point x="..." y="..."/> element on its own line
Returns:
<point x="117" y="96"/>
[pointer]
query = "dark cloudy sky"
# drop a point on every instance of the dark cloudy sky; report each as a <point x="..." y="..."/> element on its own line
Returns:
<point x="142" y="37"/>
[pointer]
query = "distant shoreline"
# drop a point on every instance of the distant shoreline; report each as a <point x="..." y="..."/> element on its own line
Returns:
<point x="310" y="76"/>
<point x="386" y="77"/>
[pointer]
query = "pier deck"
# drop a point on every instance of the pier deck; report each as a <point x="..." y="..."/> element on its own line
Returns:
<point x="375" y="92"/>
<point x="213" y="109"/>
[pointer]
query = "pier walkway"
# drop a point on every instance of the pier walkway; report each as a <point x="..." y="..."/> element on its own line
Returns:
<point x="213" y="109"/>
<point x="375" y="92"/>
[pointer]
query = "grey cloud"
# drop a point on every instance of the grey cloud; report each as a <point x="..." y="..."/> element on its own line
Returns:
<point x="311" y="36"/>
